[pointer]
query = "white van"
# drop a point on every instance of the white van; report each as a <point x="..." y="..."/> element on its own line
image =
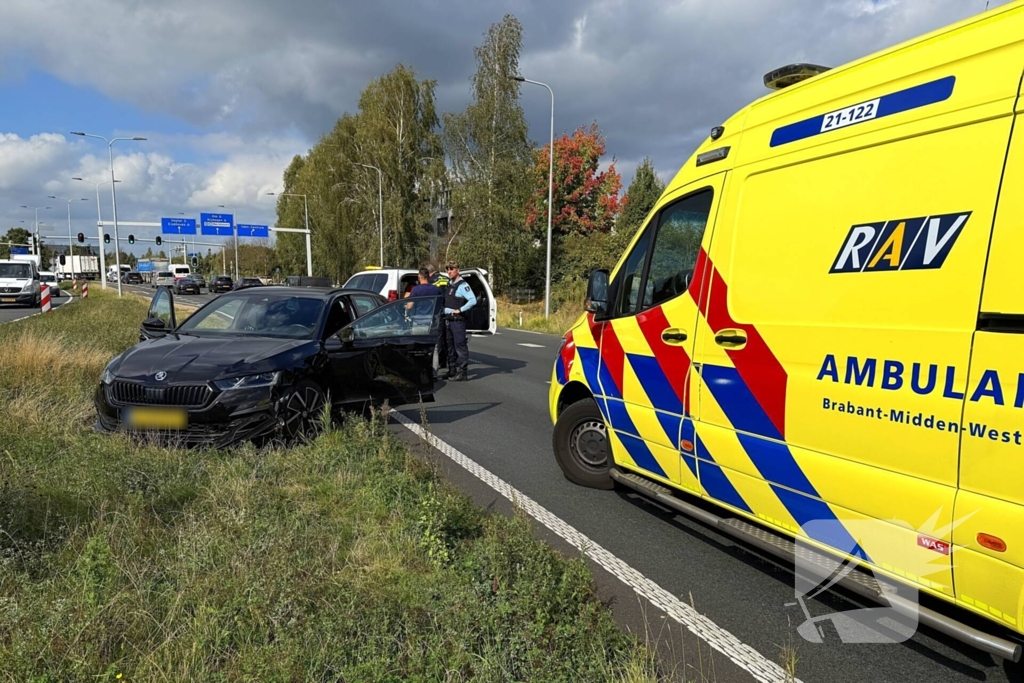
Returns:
<point x="179" y="270"/>
<point x="393" y="283"/>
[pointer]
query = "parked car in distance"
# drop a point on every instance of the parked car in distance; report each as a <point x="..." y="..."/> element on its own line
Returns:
<point x="221" y="283"/>
<point x="394" y="283"/>
<point x="186" y="285"/>
<point x="247" y="282"/>
<point x="164" y="277"/>
<point x="50" y="279"/>
<point x="271" y="359"/>
<point x="132" y="278"/>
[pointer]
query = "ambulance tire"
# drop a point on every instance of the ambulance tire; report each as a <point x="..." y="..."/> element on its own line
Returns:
<point x="581" y="445"/>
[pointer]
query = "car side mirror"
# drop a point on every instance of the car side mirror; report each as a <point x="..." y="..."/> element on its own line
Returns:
<point x="597" y="294"/>
<point x="347" y="335"/>
<point x="154" y="326"/>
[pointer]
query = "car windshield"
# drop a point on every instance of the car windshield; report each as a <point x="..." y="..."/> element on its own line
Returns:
<point x="165" y="274"/>
<point x="47" y="278"/>
<point x="16" y="270"/>
<point x="277" y="314"/>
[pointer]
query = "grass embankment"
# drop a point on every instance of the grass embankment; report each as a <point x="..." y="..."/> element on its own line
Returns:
<point x="344" y="559"/>
<point x="566" y="308"/>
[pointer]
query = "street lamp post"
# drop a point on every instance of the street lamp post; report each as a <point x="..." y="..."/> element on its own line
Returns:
<point x="551" y="187"/>
<point x="99" y="230"/>
<point x="113" y="195"/>
<point x="35" y="228"/>
<point x="71" y="243"/>
<point x="380" y="205"/>
<point x="234" y="232"/>
<point x="309" y="245"/>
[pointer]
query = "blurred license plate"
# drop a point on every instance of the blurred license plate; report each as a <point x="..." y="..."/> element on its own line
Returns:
<point x="7" y="300"/>
<point x="156" y="418"/>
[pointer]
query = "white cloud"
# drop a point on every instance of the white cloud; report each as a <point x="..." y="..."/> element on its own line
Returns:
<point x="151" y="184"/>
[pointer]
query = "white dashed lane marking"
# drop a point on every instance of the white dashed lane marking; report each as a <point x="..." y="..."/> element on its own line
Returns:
<point x="532" y="346"/>
<point x="744" y="656"/>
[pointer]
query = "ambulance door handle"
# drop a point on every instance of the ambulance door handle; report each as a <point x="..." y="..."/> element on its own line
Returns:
<point x="731" y="339"/>
<point x="673" y="335"/>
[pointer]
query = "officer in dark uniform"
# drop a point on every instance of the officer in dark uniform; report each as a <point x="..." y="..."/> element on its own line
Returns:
<point x="440" y="280"/>
<point x="458" y="298"/>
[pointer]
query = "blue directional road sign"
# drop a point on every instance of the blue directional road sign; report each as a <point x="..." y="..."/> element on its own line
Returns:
<point x="193" y="254"/>
<point x="144" y="266"/>
<point x="178" y="226"/>
<point x="248" y="230"/>
<point x="217" y="224"/>
<point x="19" y="250"/>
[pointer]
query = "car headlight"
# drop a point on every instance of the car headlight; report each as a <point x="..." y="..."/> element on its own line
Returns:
<point x="28" y="285"/>
<point x="108" y="376"/>
<point x="264" y="379"/>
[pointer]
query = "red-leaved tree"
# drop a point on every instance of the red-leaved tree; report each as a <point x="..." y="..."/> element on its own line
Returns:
<point x="585" y="199"/>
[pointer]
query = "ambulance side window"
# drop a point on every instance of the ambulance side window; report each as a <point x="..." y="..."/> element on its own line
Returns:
<point x="627" y="287"/>
<point x="676" y="246"/>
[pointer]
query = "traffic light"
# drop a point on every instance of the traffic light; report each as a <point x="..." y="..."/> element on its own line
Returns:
<point x="131" y="239"/>
<point x="106" y="238"/>
<point x="195" y="262"/>
<point x="63" y="260"/>
<point x="159" y="240"/>
<point x="81" y="237"/>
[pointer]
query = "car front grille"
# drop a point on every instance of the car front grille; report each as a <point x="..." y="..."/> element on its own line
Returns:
<point x="185" y="395"/>
<point x="10" y="290"/>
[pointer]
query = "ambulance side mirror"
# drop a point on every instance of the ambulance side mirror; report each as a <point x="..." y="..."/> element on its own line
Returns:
<point x="597" y="293"/>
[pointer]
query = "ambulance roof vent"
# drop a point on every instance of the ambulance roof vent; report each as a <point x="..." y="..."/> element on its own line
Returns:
<point x="791" y="74"/>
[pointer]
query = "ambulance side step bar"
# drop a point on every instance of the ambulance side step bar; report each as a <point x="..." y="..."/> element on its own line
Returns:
<point x="818" y="567"/>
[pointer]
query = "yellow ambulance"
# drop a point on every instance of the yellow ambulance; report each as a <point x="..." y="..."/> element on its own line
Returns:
<point x="820" y="328"/>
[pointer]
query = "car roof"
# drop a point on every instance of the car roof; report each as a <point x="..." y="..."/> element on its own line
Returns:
<point x="315" y="292"/>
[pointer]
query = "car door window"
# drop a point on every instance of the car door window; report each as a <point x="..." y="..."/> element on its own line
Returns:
<point x="339" y="316"/>
<point x="412" y="317"/>
<point x="676" y="245"/>
<point x="364" y="304"/>
<point x="160" y="308"/>
<point x="627" y="284"/>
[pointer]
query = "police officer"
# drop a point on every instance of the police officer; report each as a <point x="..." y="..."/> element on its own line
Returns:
<point x="440" y="280"/>
<point x="458" y="298"/>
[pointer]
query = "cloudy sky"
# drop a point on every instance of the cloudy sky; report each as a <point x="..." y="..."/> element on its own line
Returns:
<point x="226" y="91"/>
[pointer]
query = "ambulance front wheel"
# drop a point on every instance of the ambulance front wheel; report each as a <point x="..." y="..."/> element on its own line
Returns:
<point x="581" y="445"/>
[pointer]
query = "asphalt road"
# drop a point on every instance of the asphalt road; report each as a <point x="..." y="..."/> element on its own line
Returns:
<point x="9" y="312"/>
<point x="500" y="420"/>
<point x="187" y="299"/>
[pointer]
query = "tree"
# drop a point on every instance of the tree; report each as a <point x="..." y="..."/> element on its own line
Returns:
<point x="395" y="131"/>
<point x="17" y="236"/>
<point x="490" y="158"/>
<point x="642" y="195"/>
<point x="585" y="199"/>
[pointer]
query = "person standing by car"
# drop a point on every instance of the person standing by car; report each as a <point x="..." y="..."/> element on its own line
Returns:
<point x="423" y="287"/>
<point x="458" y="298"/>
<point x="440" y="280"/>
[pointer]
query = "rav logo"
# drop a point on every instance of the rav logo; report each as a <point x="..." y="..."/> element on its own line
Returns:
<point x="903" y="244"/>
<point x="160" y="376"/>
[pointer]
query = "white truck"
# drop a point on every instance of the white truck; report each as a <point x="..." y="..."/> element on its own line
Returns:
<point x="81" y="267"/>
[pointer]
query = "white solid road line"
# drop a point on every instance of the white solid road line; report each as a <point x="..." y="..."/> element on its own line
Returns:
<point x="532" y="346"/>
<point x="741" y="654"/>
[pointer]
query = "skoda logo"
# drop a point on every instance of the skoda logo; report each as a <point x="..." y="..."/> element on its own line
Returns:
<point x="160" y="376"/>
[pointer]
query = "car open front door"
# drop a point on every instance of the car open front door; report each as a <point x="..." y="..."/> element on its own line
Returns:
<point x="483" y="317"/>
<point x="398" y="340"/>
<point x="160" y="318"/>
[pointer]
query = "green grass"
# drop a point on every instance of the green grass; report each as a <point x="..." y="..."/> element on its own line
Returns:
<point x="566" y="308"/>
<point x="343" y="559"/>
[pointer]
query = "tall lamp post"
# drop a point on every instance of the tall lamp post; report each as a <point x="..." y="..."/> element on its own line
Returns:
<point x="309" y="246"/>
<point x="234" y="235"/>
<point x="113" y="195"/>
<point x="99" y="230"/>
<point x="551" y="187"/>
<point x="35" y="226"/>
<point x="71" y="244"/>
<point x="380" y="205"/>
